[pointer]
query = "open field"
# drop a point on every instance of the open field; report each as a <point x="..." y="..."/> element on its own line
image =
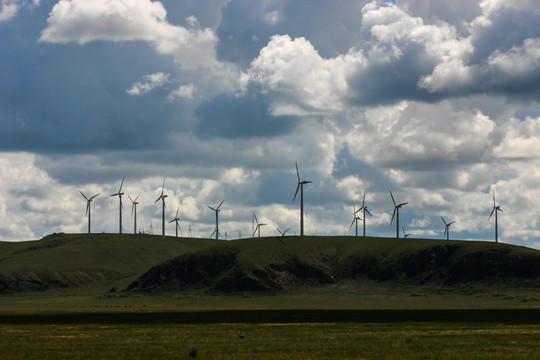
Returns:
<point x="276" y="339"/>
<point x="70" y="300"/>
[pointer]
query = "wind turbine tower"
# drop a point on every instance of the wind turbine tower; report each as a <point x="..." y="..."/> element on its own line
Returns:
<point x="134" y="204"/>
<point x="447" y="228"/>
<point x="396" y="212"/>
<point x="355" y="219"/>
<point x="119" y="194"/>
<point x="216" y="210"/>
<point x="366" y="211"/>
<point x="495" y="209"/>
<point x="300" y="187"/>
<point x="88" y="202"/>
<point x="176" y="219"/>
<point x="162" y="198"/>
<point x="258" y="227"/>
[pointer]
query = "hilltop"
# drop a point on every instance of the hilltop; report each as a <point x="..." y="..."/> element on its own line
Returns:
<point x="97" y="263"/>
<point x="270" y="264"/>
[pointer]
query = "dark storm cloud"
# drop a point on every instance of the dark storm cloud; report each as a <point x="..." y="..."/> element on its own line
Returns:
<point x="57" y="97"/>
<point x="240" y="117"/>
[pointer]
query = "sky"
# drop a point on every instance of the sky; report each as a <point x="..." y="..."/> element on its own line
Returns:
<point x="435" y="100"/>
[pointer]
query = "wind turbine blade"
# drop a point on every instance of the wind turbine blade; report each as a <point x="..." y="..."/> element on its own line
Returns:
<point x="492" y="210"/>
<point x="444" y="221"/>
<point x="122" y="183"/>
<point x="172" y="221"/>
<point x="211" y="207"/>
<point x="176" y="212"/>
<point x="393" y="214"/>
<point x="493" y="197"/>
<point x="498" y="208"/>
<point x="296" y="193"/>
<point x="307" y="182"/>
<point x="392" y="196"/>
<point x="220" y="204"/>
<point x="450" y="223"/>
<point x="84" y="196"/>
<point x="87" y="207"/>
<point x="132" y="208"/>
<point x="364" y="200"/>
<point x="130" y="199"/>
<point x="368" y="212"/>
<point x="94" y="196"/>
<point x="405" y="203"/>
<point x="285" y="231"/>
<point x="256" y="220"/>
<point x="137" y="197"/>
<point x="404" y="234"/>
<point x="352" y="223"/>
<point x="297" y="172"/>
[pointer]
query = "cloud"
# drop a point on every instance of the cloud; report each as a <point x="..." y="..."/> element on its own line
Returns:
<point x="296" y="79"/>
<point x="151" y="81"/>
<point x="10" y="8"/>
<point x="183" y="91"/>
<point x="240" y="117"/>
<point x="84" y="21"/>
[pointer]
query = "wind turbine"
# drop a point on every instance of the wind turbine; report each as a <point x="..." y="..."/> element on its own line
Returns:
<point x="216" y="231"/>
<point x="405" y="235"/>
<point x="365" y="209"/>
<point x="355" y="219"/>
<point x="282" y="233"/>
<point x="134" y="204"/>
<point x="119" y="194"/>
<point x="300" y="187"/>
<point x="396" y="212"/>
<point x="258" y="227"/>
<point x="88" y="201"/>
<point x="494" y="210"/>
<point x="162" y="198"/>
<point x="176" y="219"/>
<point x="447" y="228"/>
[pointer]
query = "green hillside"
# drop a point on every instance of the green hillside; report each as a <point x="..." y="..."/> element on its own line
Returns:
<point x="264" y="264"/>
<point x="143" y="263"/>
<point x="101" y="261"/>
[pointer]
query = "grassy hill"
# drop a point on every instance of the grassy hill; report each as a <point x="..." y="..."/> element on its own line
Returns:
<point x="143" y="263"/>
<point x="264" y="264"/>
<point x="100" y="261"/>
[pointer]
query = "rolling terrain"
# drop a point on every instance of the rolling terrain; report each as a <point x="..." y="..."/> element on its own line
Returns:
<point x="276" y="264"/>
<point x="96" y="261"/>
<point x="149" y="264"/>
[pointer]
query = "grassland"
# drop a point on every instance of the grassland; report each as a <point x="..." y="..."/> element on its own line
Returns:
<point x="74" y="314"/>
<point x="270" y="341"/>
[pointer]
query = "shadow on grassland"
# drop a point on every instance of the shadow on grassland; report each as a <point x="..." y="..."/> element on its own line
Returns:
<point x="504" y="316"/>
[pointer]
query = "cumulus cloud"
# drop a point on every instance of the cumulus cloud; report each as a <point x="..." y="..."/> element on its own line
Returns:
<point x="183" y="91"/>
<point x="10" y="8"/>
<point x="150" y="82"/>
<point x="297" y="80"/>
<point x="84" y="21"/>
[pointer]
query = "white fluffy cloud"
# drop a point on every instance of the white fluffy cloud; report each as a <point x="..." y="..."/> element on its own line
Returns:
<point x="297" y="79"/>
<point x="83" y="21"/>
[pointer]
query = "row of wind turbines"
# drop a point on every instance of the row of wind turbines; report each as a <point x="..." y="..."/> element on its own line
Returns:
<point x="257" y="229"/>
